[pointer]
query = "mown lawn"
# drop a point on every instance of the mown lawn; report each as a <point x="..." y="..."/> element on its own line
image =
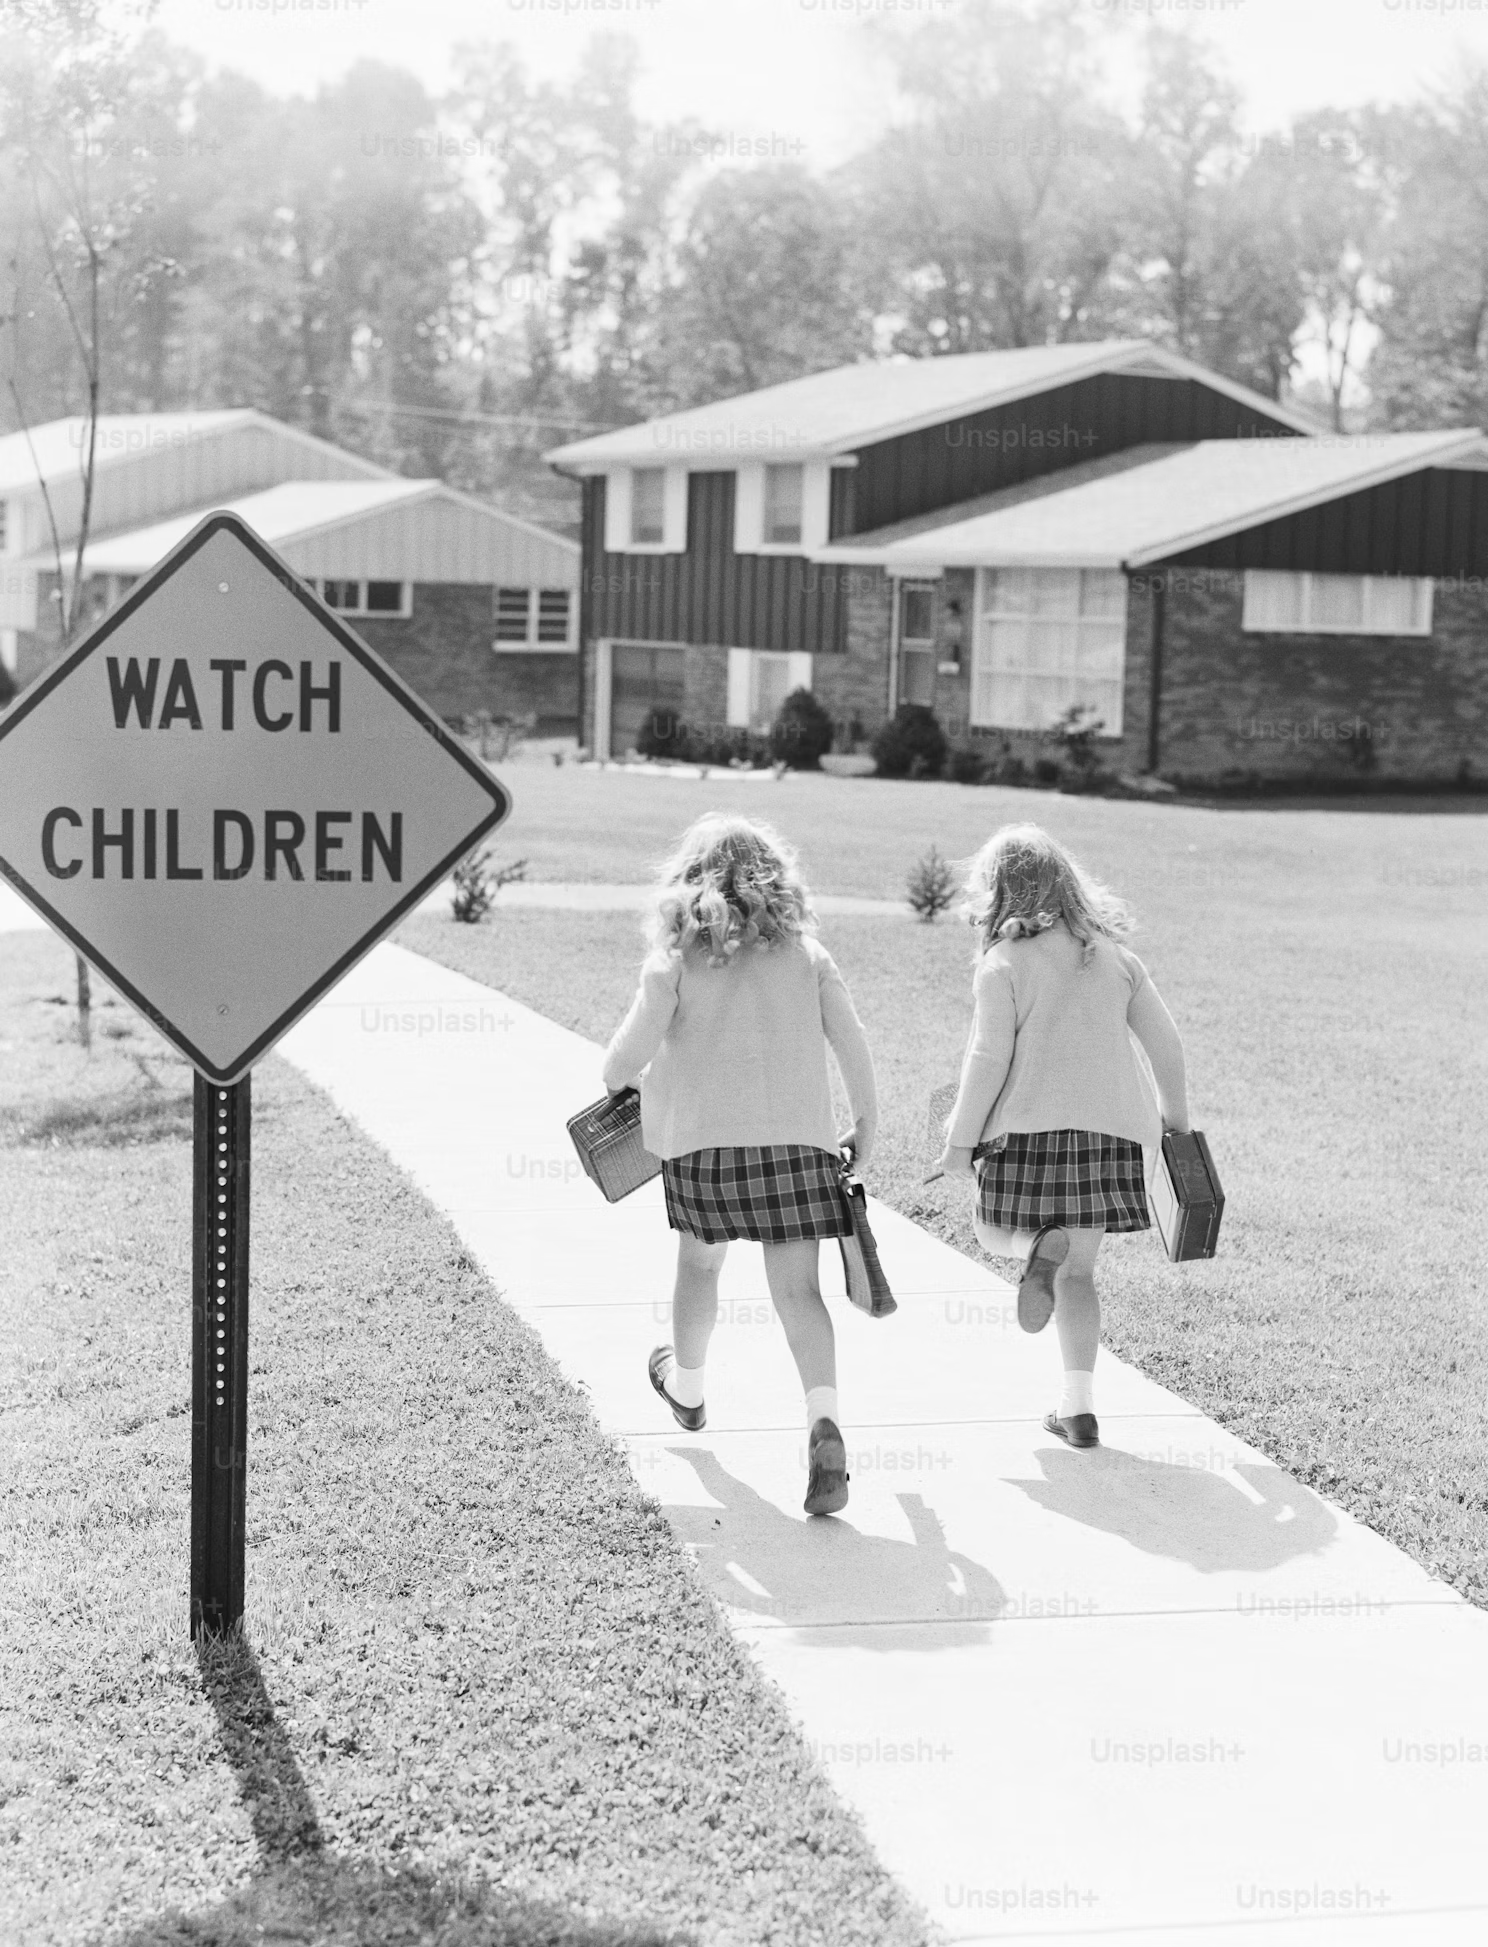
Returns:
<point x="483" y="1698"/>
<point x="1326" y="969"/>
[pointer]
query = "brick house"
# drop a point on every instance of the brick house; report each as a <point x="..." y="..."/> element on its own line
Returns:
<point x="1007" y="535"/>
<point x="475" y="608"/>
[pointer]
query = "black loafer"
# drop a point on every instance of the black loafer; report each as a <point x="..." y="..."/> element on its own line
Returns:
<point x="691" y="1419"/>
<point x="826" y="1469"/>
<point x="1036" y="1287"/>
<point x="1079" y="1430"/>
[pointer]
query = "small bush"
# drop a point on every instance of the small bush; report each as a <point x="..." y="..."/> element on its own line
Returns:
<point x="733" y="747"/>
<point x="931" y="886"/>
<point x="967" y="765"/>
<point x="478" y="879"/>
<point x="1046" y="772"/>
<point x="662" y="734"/>
<point x="911" y="743"/>
<point x="801" y="734"/>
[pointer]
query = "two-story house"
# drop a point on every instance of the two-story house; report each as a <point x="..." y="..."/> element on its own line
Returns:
<point x="1007" y="535"/>
<point x="475" y="608"/>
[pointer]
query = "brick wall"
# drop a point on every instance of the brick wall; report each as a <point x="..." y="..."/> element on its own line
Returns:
<point x="443" y="650"/>
<point x="855" y="686"/>
<point x="1320" y="707"/>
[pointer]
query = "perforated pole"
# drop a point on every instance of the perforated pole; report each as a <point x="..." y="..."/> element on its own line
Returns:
<point x="219" y="1353"/>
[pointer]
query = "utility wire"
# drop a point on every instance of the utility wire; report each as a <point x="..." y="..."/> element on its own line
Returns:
<point x="478" y="418"/>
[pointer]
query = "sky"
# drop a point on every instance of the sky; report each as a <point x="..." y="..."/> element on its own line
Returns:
<point x="799" y="79"/>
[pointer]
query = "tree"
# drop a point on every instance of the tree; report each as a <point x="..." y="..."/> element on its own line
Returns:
<point x="993" y="214"/>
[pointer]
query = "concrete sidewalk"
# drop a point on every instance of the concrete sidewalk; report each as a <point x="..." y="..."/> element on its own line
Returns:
<point x="1159" y="1692"/>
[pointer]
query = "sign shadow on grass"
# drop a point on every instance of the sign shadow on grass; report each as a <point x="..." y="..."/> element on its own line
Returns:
<point x="841" y="1587"/>
<point x="1187" y="1513"/>
<point x="303" y="1891"/>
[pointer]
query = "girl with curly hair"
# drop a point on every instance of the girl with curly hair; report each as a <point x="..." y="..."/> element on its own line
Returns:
<point x="727" y="1040"/>
<point x="1054" y="1109"/>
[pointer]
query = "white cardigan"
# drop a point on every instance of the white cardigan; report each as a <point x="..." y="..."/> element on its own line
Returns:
<point x="736" y="1056"/>
<point x="1052" y="1047"/>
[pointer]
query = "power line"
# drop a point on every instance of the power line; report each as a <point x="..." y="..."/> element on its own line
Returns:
<point x="479" y="418"/>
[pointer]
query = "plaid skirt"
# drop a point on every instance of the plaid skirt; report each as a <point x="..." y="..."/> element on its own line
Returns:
<point x="1062" y="1176"/>
<point x="780" y="1194"/>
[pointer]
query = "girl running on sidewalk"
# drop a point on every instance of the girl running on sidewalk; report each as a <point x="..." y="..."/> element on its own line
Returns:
<point x="727" y="1039"/>
<point x="1053" y="1110"/>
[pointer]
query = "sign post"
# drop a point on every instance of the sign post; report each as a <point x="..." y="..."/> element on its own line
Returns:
<point x="223" y="798"/>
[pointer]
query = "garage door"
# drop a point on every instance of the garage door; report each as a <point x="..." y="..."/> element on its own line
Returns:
<point x="644" y="677"/>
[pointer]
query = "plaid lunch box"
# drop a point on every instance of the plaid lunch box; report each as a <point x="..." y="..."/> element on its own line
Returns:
<point x="607" y="1136"/>
<point x="867" y="1287"/>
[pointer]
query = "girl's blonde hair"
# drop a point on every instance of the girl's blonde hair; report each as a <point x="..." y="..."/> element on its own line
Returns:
<point x="1023" y="881"/>
<point x="730" y="884"/>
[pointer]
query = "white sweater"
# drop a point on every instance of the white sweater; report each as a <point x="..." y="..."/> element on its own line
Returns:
<point x="1051" y="1047"/>
<point x="736" y="1056"/>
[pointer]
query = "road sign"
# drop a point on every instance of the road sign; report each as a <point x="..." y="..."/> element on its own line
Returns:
<point x="223" y="798"/>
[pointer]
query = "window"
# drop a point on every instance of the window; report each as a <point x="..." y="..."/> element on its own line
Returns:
<point x="784" y="492"/>
<point x="917" y="642"/>
<point x="648" y="506"/>
<point x="552" y="615"/>
<point x="1048" y="640"/>
<point x="1283" y="603"/>
<point x="759" y="681"/>
<point x="385" y="598"/>
<point x="533" y="618"/>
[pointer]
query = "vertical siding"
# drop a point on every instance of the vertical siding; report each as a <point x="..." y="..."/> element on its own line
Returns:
<point x="941" y="465"/>
<point x="1434" y="522"/>
<point x="709" y="594"/>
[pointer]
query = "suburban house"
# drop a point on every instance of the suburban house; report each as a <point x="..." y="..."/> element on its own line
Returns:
<point x="1006" y="536"/>
<point x="473" y="607"/>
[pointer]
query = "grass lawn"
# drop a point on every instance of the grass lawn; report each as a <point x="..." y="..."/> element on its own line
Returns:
<point x="483" y="1697"/>
<point x="1326" y="969"/>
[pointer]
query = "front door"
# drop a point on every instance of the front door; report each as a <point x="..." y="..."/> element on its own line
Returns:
<point x="917" y="642"/>
<point x="644" y="677"/>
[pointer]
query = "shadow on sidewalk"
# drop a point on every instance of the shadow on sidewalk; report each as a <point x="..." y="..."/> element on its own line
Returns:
<point x="1186" y="1513"/>
<point x="847" y="1585"/>
<point x="304" y="1893"/>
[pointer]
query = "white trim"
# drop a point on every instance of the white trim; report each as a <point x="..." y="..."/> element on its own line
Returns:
<point x="1422" y="595"/>
<point x="604" y="678"/>
<point x="749" y="507"/>
<point x="9" y="650"/>
<point x="740" y="688"/>
<point x="617" y="510"/>
<point x="894" y="581"/>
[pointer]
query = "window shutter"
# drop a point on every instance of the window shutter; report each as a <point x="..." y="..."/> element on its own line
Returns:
<point x="749" y="509"/>
<point x="674" y="511"/>
<point x="740" y="683"/>
<point x="617" y="511"/>
<point x="816" y="504"/>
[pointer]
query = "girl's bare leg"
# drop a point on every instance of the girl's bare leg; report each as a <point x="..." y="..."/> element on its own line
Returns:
<point x="1002" y="1243"/>
<point x="1076" y="1304"/>
<point x="790" y="1270"/>
<point x="695" y="1299"/>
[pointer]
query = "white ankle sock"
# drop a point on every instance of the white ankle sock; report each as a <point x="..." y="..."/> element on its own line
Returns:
<point x="1078" y="1395"/>
<point x="685" y="1384"/>
<point x="821" y="1404"/>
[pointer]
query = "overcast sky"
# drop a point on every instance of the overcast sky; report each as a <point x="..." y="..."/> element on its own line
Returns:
<point x="799" y="76"/>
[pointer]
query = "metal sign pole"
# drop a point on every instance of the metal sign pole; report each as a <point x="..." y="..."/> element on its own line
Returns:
<point x="219" y="1353"/>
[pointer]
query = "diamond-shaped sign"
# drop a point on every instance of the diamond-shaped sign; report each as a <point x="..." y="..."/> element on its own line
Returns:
<point x="223" y="798"/>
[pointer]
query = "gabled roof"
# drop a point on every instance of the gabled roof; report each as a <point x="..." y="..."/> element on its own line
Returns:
<point x="288" y="512"/>
<point x="58" y="448"/>
<point x="1128" y="516"/>
<point x="836" y="412"/>
<point x="449" y="536"/>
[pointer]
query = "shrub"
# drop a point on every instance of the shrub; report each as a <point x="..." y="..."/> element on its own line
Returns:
<point x="801" y="734"/>
<point x="662" y="733"/>
<point x="931" y="886"/>
<point x="911" y="743"/>
<point x="967" y="765"/>
<point x="478" y="879"/>
<point x="1045" y="772"/>
<point x="727" y="746"/>
<point x="1075" y="734"/>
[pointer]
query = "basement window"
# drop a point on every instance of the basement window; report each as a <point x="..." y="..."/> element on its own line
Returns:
<point x="1049" y="640"/>
<point x="1279" y="602"/>
<point x="380" y="598"/>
